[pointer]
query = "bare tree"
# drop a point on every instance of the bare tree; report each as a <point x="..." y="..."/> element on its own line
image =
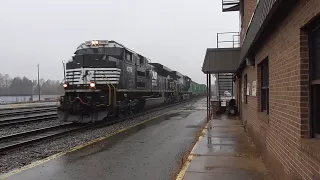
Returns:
<point x="25" y="86"/>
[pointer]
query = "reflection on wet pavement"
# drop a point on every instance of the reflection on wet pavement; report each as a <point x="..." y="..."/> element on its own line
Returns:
<point x="226" y="152"/>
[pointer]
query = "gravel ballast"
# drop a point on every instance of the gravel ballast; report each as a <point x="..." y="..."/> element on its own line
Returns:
<point x="26" y="155"/>
<point x="8" y="118"/>
<point x="19" y="128"/>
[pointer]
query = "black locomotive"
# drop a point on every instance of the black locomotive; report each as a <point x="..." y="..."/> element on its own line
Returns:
<point x="104" y="78"/>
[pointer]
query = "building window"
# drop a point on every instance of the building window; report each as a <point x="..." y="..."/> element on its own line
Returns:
<point x="314" y="39"/>
<point x="264" y="70"/>
<point x="245" y="89"/>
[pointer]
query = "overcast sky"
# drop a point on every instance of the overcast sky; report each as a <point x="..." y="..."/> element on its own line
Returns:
<point x="175" y="33"/>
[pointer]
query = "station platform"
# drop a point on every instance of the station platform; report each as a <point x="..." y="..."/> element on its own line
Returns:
<point x="224" y="152"/>
<point x="151" y="149"/>
<point x="27" y="105"/>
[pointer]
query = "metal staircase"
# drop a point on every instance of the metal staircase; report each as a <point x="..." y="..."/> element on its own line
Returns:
<point x="224" y="81"/>
<point x="225" y="86"/>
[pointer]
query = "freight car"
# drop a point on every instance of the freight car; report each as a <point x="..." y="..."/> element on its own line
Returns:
<point x="202" y="89"/>
<point x="104" y="78"/>
<point x="197" y="89"/>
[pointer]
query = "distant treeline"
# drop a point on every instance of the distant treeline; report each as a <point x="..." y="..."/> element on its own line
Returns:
<point x="24" y="86"/>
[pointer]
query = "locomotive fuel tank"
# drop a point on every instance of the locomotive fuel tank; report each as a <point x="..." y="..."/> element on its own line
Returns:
<point x="153" y="102"/>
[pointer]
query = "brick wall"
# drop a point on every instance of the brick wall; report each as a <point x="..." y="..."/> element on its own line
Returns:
<point x="283" y="135"/>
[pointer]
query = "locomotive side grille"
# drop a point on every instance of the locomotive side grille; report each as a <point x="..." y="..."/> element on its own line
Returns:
<point x="97" y="75"/>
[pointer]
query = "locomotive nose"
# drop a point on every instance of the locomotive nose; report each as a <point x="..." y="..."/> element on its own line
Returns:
<point x="75" y="111"/>
<point x="80" y="111"/>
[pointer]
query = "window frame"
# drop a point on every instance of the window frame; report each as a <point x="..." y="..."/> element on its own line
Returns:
<point x="264" y="85"/>
<point x="314" y="82"/>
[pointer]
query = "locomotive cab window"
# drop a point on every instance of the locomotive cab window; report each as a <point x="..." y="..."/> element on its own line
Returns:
<point x="140" y="60"/>
<point x="128" y="57"/>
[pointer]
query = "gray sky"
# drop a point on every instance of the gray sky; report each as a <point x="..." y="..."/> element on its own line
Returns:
<point x="175" y="33"/>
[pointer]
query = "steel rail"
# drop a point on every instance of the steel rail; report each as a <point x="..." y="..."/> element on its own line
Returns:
<point x="28" y="119"/>
<point x="25" y="112"/>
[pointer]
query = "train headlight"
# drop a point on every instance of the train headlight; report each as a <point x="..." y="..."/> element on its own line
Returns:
<point x="65" y="85"/>
<point x="92" y="85"/>
<point x="94" y="43"/>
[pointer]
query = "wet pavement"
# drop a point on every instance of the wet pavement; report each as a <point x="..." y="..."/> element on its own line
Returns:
<point x="152" y="150"/>
<point x="225" y="152"/>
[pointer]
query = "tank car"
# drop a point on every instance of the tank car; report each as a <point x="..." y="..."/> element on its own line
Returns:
<point x="104" y="79"/>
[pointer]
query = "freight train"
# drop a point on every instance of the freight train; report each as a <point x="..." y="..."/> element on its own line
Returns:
<point x="106" y="79"/>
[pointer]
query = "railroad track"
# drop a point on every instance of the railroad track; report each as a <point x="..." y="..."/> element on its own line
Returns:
<point x="25" y="108"/>
<point x="16" y="112"/>
<point x="27" y="138"/>
<point x="27" y="119"/>
<point x="30" y="137"/>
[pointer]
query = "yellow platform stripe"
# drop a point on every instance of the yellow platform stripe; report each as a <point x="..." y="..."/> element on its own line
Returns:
<point x="190" y="157"/>
<point x="36" y="163"/>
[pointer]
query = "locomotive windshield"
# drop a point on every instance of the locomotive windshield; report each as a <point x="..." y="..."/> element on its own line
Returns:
<point x="101" y="57"/>
<point x="112" y="51"/>
<point x="92" y="61"/>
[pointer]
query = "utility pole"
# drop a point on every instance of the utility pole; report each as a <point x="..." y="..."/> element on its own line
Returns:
<point x="38" y="81"/>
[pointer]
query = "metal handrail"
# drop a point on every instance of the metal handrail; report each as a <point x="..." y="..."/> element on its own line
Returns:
<point x="235" y="41"/>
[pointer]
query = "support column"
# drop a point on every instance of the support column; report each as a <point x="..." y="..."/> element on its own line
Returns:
<point x="207" y="89"/>
<point x="210" y="113"/>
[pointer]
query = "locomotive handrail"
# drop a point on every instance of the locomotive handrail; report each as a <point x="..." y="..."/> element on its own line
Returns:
<point x="109" y="94"/>
<point x="115" y="94"/>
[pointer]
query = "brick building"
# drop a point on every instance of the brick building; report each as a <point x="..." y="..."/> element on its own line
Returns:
<point x="277" y="75"/>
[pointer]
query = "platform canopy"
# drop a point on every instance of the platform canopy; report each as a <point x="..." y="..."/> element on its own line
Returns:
<point x="221" y="60"/>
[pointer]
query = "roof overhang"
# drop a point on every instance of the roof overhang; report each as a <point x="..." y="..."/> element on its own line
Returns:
<point x="264" y="11"/>
<point x="221" y="60"/>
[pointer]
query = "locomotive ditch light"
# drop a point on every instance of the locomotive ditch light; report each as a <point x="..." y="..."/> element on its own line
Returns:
<point x="65" y="85"/>
<point x="92" y="85"/>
